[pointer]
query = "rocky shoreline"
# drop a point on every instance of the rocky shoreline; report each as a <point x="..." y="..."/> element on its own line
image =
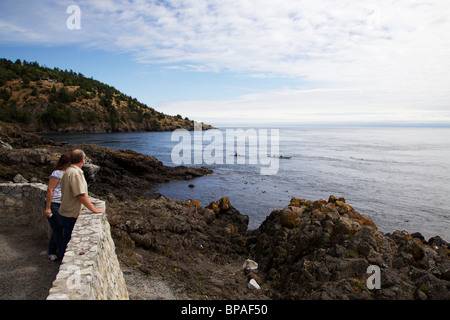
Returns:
<point x="121" y="173"/>
<point x="312" y="250"/>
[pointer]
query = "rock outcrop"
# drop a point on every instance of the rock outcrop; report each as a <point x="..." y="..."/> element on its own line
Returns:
<point x="308" y="250"/>
<point x="199" y="251"/>
<point x="323" y="249"/>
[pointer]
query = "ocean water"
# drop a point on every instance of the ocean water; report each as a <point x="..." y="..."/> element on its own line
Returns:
<point x="399" y="177"/>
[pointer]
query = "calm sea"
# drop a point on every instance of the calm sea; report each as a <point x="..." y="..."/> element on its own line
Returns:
<point x="399" y="177"/>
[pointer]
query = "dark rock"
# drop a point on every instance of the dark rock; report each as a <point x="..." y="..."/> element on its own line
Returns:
<point x="433" y="287"/>
<point x="326" y="254"/>
<point x="437" y="241"/>
<point x="419" y="236"/>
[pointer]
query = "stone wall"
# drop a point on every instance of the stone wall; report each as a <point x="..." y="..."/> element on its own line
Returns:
<point x="22" y="204"/>
<point x="90" y="269"/>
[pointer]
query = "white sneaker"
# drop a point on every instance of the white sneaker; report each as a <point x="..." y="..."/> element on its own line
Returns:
<point x="53" y="257"/>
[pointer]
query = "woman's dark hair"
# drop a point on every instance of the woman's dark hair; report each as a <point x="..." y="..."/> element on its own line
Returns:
<point x="63" y="162"/>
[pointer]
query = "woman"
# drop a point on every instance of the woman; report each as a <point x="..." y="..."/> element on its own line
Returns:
<point x="52" y="204"/>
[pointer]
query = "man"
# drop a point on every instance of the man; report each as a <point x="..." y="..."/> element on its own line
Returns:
<point x="74" y="194"/>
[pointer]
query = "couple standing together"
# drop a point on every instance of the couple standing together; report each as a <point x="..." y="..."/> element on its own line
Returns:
<point x="67" y="193"/>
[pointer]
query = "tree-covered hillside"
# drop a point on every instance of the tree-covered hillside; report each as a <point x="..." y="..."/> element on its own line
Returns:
<point x="43" y="99"/>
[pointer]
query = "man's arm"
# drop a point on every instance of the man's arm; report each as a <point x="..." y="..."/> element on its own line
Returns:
<point x="84" y="199"/>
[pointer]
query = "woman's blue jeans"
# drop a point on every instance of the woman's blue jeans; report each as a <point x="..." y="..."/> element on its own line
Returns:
<point x="56" y="239"/>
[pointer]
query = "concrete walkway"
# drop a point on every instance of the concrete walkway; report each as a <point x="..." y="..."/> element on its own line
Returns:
<point x="26" y="273"/>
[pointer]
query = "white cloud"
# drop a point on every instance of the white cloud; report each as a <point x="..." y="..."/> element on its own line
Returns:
<point x="317" y="106"/>
<point x="370" y="55"/>
<point x="315" y="39"/>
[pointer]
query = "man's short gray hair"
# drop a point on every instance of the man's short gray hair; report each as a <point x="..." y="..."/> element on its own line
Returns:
<point x="77" y="155"/>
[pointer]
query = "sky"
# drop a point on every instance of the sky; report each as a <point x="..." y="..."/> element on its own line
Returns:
<point x="250" y="62"/>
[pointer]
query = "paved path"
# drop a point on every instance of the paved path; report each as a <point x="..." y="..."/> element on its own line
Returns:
<point x="26" y="273"/>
